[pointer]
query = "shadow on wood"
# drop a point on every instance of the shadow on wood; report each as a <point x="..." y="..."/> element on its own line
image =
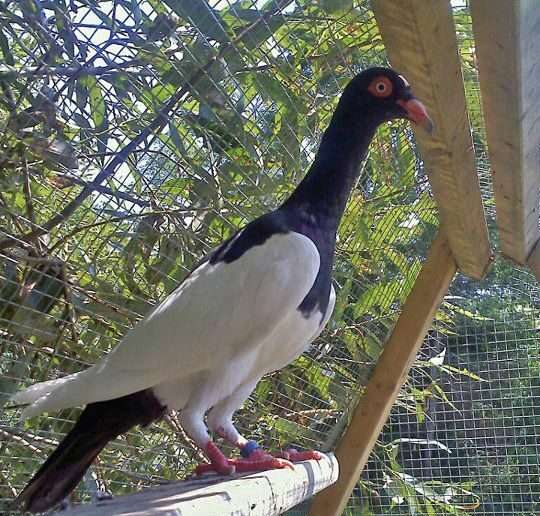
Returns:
<point x="265" y="493"/>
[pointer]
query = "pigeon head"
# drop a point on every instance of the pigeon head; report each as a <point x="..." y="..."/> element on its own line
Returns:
<point x="382" y="95"/>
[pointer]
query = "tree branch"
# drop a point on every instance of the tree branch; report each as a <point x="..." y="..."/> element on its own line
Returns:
<point x="103" y="190"/>
<point x="157" y="124"/>
<point x="10" y="72"/>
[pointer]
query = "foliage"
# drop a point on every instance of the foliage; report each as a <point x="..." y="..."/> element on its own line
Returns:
<point x="136" y="135"/>
<point x="462" y="440"/>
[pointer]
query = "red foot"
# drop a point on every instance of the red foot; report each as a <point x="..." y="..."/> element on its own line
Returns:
<point x="299" y="456"/>
<point x="218" y="462"/>
<point x="257" y="461"/>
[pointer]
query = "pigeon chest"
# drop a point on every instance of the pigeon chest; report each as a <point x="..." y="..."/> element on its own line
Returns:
<point x="292" y="337"/>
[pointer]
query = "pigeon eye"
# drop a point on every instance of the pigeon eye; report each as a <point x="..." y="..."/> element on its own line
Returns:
<point x="381" y="87"/>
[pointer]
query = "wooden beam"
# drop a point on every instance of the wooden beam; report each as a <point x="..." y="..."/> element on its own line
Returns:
<point x="265" y="493"/>
<point x="533" y="261"/>
<point x="421" y="43"/>
<point x="508" y="56"/>
<point x="388" y="376"/>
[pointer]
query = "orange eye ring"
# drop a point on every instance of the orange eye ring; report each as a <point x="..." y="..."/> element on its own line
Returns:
<point x="381" y="87"/>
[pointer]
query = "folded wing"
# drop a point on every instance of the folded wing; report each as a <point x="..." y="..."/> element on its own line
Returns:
<point x="213" y="316"/>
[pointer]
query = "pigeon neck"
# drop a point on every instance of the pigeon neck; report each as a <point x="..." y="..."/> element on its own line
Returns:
<point x="324" y="191"/>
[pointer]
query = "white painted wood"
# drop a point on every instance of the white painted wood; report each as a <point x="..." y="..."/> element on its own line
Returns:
<point x="421" y="43"/>
<point x="267" y="493"/>
<point x="507" y="38"/>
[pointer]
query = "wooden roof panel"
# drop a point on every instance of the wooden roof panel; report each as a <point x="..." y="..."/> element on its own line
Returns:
<point x="507" y="37"/>
<point x="421" y="43"/>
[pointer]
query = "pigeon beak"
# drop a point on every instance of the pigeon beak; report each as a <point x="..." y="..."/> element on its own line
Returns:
<point x="416" y="112"/>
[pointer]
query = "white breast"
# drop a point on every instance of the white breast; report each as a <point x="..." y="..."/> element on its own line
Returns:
<point x="291" y="338"/>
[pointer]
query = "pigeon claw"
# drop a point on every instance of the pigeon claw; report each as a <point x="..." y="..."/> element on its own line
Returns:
<point x="218" y="462"/>
<point x="257" y="461"/>
<point x="299" y="456"/>
<point x="263" y="462"/>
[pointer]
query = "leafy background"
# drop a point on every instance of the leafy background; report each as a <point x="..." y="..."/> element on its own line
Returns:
<point x="137" y="135"/>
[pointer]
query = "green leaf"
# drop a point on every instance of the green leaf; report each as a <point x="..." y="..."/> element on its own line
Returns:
<point x="263" y="31"/>
<point x="157" y="6"/>
<point x="98" y="112"/>
<point x="430" y="511"/>
<point x="97" y="102"/>
<point x="463" y="372"/>
<point x="153" y="98"/>
<point x="169" y="252"/>
<point x="176" y="138"/>
<point x="6" y="51"/>
<point x="45" y="288"/>
<point x="56" y="153"/>
<point x="64" y="31"/>
<point x="336" y="6"/>
<point x="381" y="295"/>
<point x="273" y="89"/>
<point x="467" y="313"/>
<point x="288" y="136"/>
<point x="18" y="369"/>
<point x="81" y="95"/>
<point x="176" y="186"/>
<point x="202" y="16"/>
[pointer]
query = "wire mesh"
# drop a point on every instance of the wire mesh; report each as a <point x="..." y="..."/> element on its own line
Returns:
<point x="167" y="126"/>
<point x="137" y="135"/>
<point x="465" y="441"/>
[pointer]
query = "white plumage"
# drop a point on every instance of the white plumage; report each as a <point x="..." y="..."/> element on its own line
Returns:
<point x="223" y="313"/>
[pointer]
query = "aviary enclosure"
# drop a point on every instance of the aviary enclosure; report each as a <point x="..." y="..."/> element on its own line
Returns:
<point x="137" y="134"/>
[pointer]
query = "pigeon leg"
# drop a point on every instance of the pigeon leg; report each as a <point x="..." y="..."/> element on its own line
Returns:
<point x="253" y="457"/>
<point x="220" y="422"/>
<point x="193" y="423"/>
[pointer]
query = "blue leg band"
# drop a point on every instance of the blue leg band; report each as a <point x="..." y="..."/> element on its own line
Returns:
<point x="249" y="448"/>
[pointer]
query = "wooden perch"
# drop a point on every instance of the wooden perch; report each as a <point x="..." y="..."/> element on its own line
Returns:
<point x="391" y="371"/>
<point x="421" y="43"/>
<point x="265" y="493"/>
<point x="508" y="56"/>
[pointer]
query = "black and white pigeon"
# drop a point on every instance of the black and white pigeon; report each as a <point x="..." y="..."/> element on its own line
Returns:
<point x="251" y="307"/>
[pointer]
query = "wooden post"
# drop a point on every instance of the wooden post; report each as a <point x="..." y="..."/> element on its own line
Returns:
<point x="388" y="376"/>
<point x="508" y="55"/>
<point x="266" y="493"/>
<point x="420" y="39"/>
<point x="533" y="261"/>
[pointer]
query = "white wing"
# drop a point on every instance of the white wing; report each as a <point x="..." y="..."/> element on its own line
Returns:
<point x="218" y="311"/>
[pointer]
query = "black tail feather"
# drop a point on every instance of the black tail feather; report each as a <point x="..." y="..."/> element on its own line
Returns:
<point x="98" y="424"/>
